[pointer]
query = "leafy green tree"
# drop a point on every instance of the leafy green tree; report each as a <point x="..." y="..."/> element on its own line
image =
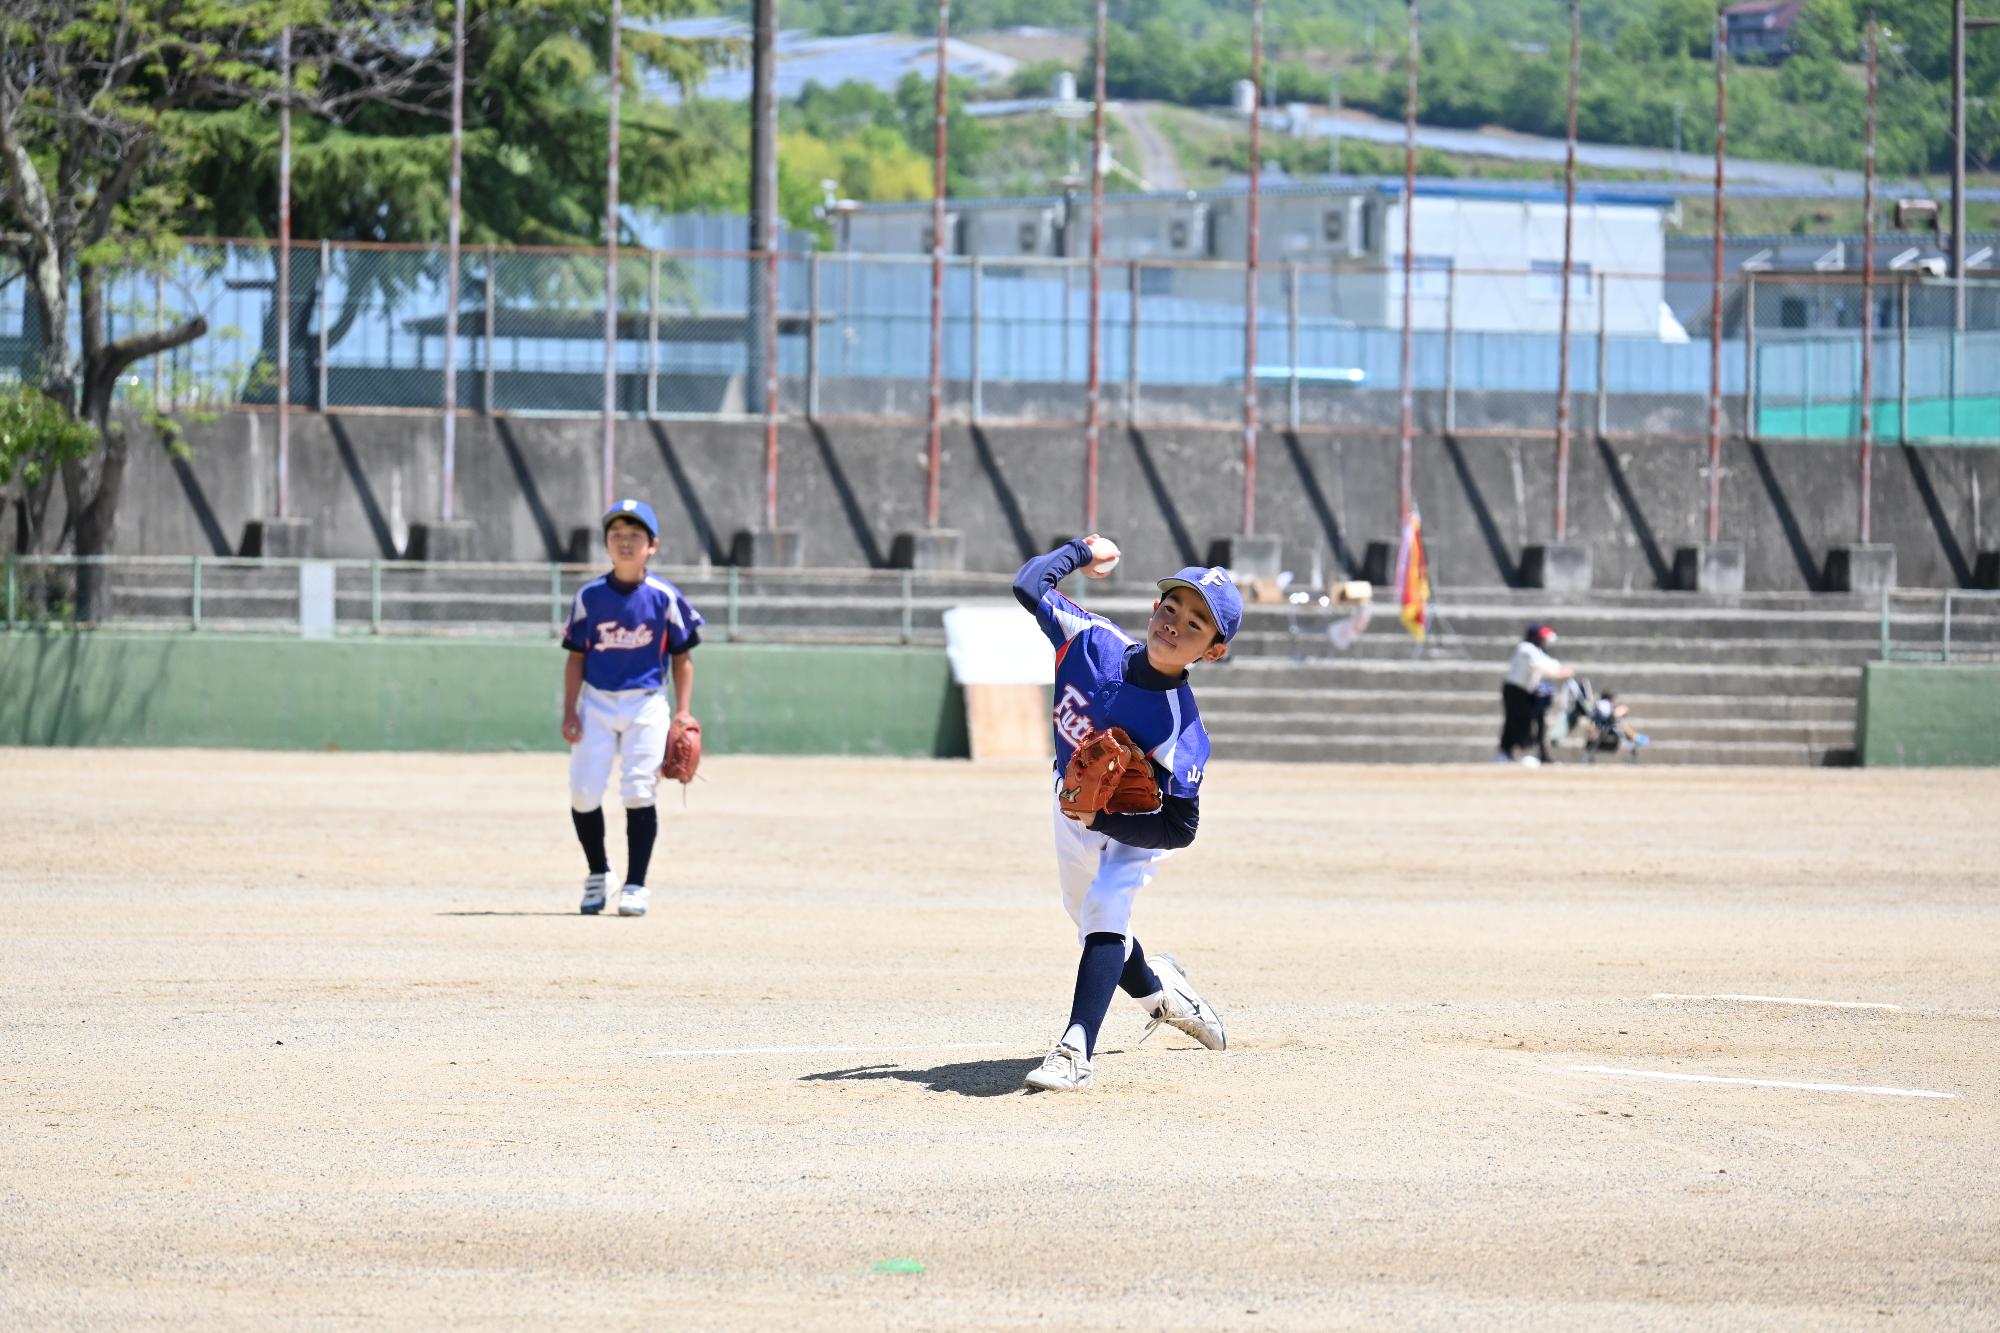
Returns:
<point x="38" y="437"/>
<point x="94" y="103"/>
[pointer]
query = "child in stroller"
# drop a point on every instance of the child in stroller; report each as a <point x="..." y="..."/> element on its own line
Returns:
<point x="1599" y="720"/>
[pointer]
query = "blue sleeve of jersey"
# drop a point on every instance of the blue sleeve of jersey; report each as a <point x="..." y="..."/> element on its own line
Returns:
<point x="1185" y="758"/>
<point x="1035" y="588"/>
<point x="578" y="633"/>
<point x="683" y="625"/>
<point x="1168" y="828"/>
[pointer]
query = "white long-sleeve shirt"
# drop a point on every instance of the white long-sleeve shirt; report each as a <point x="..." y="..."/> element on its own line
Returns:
<point x="1530" y="666"/>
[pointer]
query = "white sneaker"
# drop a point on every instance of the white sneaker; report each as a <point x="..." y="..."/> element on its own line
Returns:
<point x="632" y="902"/>
<point x="1065" y="1069"/>
<point x="1530" y="761"/>
<point x="1181" y="1006"/>
<point x="593" y="895"/>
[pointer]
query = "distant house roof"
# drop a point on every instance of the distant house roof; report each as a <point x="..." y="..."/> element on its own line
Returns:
<point x="1632" y="195"/>
<point x="879" y="59"/>
<point x="1774" y="13"/>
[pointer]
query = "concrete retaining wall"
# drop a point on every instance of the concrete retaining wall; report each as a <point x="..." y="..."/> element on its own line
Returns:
<point x="256" y="693"/>
<point x="1165" y="494"/>
<point x="1924" y="715"/>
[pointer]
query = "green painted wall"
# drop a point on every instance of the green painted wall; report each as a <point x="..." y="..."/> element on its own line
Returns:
<point x="427" y="694"/>
<point x="1932" y="420"/>
<point x="1929" y="715"/>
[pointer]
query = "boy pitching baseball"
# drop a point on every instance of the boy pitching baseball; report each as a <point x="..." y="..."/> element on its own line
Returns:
<point x="1130" y="703"/>
<point x="626" y="630"/>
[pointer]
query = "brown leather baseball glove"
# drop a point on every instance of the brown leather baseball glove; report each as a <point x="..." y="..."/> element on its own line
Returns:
<point x="683" y="752"/>
<point x="1108" y="772"/>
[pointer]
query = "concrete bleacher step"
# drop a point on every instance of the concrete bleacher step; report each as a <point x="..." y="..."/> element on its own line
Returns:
<point x="1394" y="749"/>
<point x="1483" y="677"/>
<point x="1723" y="727"/>
<point x="1254" y="702"/>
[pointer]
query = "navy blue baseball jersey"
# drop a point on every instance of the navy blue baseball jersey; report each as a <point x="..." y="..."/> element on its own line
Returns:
<point x="1104" y="680"/>
<point x="626" y="631"/>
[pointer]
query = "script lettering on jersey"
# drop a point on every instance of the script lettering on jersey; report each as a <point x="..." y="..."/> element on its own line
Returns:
<point x="1072" y="723"/>
<point x="612" y="635"/>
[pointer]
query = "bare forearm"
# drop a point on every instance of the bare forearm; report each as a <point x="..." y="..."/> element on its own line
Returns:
<point x="572" y="682"/>
<point x="681" y="668"/>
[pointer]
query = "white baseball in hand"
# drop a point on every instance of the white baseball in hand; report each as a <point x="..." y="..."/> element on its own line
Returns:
<point x="1104" y="556"/>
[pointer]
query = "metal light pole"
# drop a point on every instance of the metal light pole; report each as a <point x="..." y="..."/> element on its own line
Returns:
<point x="939" y="143"/>
<point x="761" y="275"/>
<point x="1868" y="296"/>
<point x="1569" y="241"/>
<point x="1250" y="255"/>
<point x="1721" y="54"/>
<point x="1409" y="269"/>
<point x="611" y="270"/>
<point x="446" y="485"/>
<point x="1093" y="423"/>
<point x="1960" y="25"/>
<point x="284" y="294"/>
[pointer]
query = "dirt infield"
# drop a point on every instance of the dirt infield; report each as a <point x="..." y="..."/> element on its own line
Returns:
<point x="320" y="1040"/>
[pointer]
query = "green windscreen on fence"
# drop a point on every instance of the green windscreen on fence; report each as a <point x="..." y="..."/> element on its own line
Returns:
<point x="402" y="694"/>
<point x="1929" y="715"/>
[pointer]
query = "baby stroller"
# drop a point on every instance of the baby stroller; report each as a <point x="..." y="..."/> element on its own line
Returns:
<point x="1599" y="721"/>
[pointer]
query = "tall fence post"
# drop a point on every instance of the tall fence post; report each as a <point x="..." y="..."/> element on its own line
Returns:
<point x="653" y="336"/>
<point x="194" y="595"/>
<point x="486" y="339"/>
<point x="1132" y="348"/>
<point x="1903" y="361"/>
<point x="1603" y="358"/>
<point x="323" y="289"/>
<point x="1451" y="350"/>
<point x="160" y="322"/>
<point x="1292" y="342"/>
<point x="12" y="591"/>
<point x="978" y="337"/>
<point x="1750" y="428"/>
<point x="812" y="336"/>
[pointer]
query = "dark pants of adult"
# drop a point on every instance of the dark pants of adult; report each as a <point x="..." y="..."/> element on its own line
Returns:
<point x="1517" y="728"/>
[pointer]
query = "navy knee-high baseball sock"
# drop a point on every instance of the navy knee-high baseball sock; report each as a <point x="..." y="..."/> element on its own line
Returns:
<point x="1096" y="980"/>
<point x="590" y="832"/>
<point x="642" y="825"/>
<point x="1138" y="980"/>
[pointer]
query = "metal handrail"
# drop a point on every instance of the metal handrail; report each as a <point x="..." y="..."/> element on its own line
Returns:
<point x="551" y="582"/>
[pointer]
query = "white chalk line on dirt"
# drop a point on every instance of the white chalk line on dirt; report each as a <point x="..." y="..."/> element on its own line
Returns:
<point x="1754" y="1082"/>
<point x="1779" y="999"/>
<point x="828" y="1050"/>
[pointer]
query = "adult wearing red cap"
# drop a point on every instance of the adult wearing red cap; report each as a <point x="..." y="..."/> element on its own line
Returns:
<point x="1521" y="704"/>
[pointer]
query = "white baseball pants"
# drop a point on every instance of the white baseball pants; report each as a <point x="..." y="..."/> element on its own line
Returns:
<point x="628" y="727"/>
<point x="1100" y="877"/>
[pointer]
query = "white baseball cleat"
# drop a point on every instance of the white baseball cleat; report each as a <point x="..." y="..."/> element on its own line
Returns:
<point x="1065" y="1069"/>
<point x="633" y="901"/>
<point x="593" y="895"/>
<point x="1181" y="1006"/>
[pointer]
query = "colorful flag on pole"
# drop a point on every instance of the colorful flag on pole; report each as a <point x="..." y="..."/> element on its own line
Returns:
<point x="1413" y="578"/>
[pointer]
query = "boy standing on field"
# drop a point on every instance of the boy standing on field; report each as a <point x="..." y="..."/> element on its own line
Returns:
<point x="626" y="631"/>
<point x="1106" y="679"/>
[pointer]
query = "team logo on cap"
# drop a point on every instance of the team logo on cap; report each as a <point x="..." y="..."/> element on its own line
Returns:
<point x="1215" y="575"/>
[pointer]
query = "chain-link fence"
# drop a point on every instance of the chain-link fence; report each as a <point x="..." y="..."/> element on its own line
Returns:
<point x="695" y="331"/>
<point x="1935" y="350"/>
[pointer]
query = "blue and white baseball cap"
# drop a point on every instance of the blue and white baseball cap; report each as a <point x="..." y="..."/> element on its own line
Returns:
<point x="637" y="510"/>
<point x="1214" y="586"/>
